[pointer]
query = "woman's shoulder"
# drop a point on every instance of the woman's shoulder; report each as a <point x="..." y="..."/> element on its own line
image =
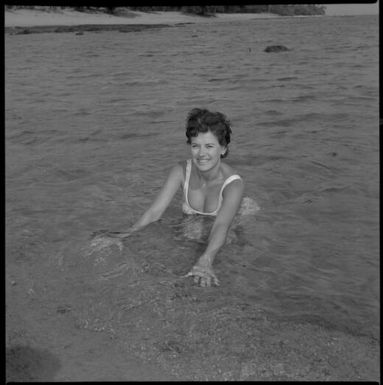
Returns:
<point x="179" y="169"/>
<point x="228" y="171"/>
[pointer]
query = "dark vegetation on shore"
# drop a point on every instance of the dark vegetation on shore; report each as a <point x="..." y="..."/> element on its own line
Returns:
<point x="205" y="10"/>
<point x="278" y="9"/>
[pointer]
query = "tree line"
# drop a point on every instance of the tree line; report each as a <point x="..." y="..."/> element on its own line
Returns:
<point x="278" y="9"/>
<point x="207" y="10"/>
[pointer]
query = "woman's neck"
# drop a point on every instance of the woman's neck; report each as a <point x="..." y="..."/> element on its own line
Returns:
<point x="210" y="175"/>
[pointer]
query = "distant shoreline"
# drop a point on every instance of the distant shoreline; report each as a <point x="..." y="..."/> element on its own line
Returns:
<point x="31" y="18"/>
<point x="80" y="29"/>
<point x="22" y="21"/>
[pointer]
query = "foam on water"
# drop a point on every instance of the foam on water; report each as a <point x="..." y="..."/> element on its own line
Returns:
<point x="248" y="206"/>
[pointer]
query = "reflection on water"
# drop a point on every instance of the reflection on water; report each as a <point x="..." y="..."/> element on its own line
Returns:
<point x="90" y="138"/>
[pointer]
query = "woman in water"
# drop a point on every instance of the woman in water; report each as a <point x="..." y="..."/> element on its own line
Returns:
<point x="211" y="187"/>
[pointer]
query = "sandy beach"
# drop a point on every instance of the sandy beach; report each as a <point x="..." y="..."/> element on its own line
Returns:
<point x="67" y="17"/>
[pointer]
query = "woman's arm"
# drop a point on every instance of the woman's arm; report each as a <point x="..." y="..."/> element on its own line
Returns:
<point x="160" y="203"/>
<point x="232" y="197"/>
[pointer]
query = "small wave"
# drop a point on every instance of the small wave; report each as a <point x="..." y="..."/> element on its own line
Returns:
<point x="321" y="165"/>
<point x="81" y="75"/>
<point x="259" y="160"/>
<point x="273" y="112"/>
<point x="23" y="133"/>
<point x="147" y="82"/>
<point x="309" y="116"/>
<point x="362" y="47"/>
<point x="138" y="136"/>
<point x="117" y="100"/>
<point x="71" y="175"/>
<point x="333" y="187"/>
<point x="82" y="112"/>
<point x="304" y="98"/>
<point x="147" y="112"/>
<point x="288" y="78"/>
<point x="308" y="198"/>
<point x="85" y="139"/>
<point x="120" y="73"/>
<point x="278" y="123"/>
<point x="270" y="101"/>
<point x="212" y="80"/>
<point x="91" y="54"/>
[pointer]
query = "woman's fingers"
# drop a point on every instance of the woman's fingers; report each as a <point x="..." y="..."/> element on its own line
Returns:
<point x="214" y="278"/>
<point x="202" y="277"/>
<point x="206" y="282"/>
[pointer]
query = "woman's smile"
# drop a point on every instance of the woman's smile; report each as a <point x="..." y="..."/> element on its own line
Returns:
<point x="206" y="150"/>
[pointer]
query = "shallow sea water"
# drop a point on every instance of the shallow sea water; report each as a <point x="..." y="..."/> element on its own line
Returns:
<point x="94" y="123"/>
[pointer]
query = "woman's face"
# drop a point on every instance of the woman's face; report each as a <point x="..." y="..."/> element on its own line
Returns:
<point x="206" y="151"/>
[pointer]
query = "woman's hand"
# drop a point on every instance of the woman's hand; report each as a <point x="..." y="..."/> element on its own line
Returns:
<point x="203" y="274"/>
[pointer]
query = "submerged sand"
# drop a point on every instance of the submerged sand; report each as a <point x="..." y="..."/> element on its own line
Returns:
<point x="165" y="328"/>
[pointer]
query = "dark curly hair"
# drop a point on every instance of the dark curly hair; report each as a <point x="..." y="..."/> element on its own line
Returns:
<point x="203" y="120"/>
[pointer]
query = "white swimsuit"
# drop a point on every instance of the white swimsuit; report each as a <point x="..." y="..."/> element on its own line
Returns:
<point x="186" y="208"/>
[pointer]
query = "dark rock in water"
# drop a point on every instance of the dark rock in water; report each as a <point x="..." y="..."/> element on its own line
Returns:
<point x="25" y="364"/>
<point x="62" y="309"/>
<point x="276" y="48"/>
<point x="79" y="33"/>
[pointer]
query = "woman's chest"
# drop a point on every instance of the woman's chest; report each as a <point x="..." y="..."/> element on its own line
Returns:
<point x="204" y="198"/>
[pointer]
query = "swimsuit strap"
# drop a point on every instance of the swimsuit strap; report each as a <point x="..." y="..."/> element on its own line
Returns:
<point x="227" y="181"/>
<point x="187" y="178"/>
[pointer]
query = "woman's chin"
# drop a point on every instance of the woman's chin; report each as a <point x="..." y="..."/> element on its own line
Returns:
<point x="204" y="166"/>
